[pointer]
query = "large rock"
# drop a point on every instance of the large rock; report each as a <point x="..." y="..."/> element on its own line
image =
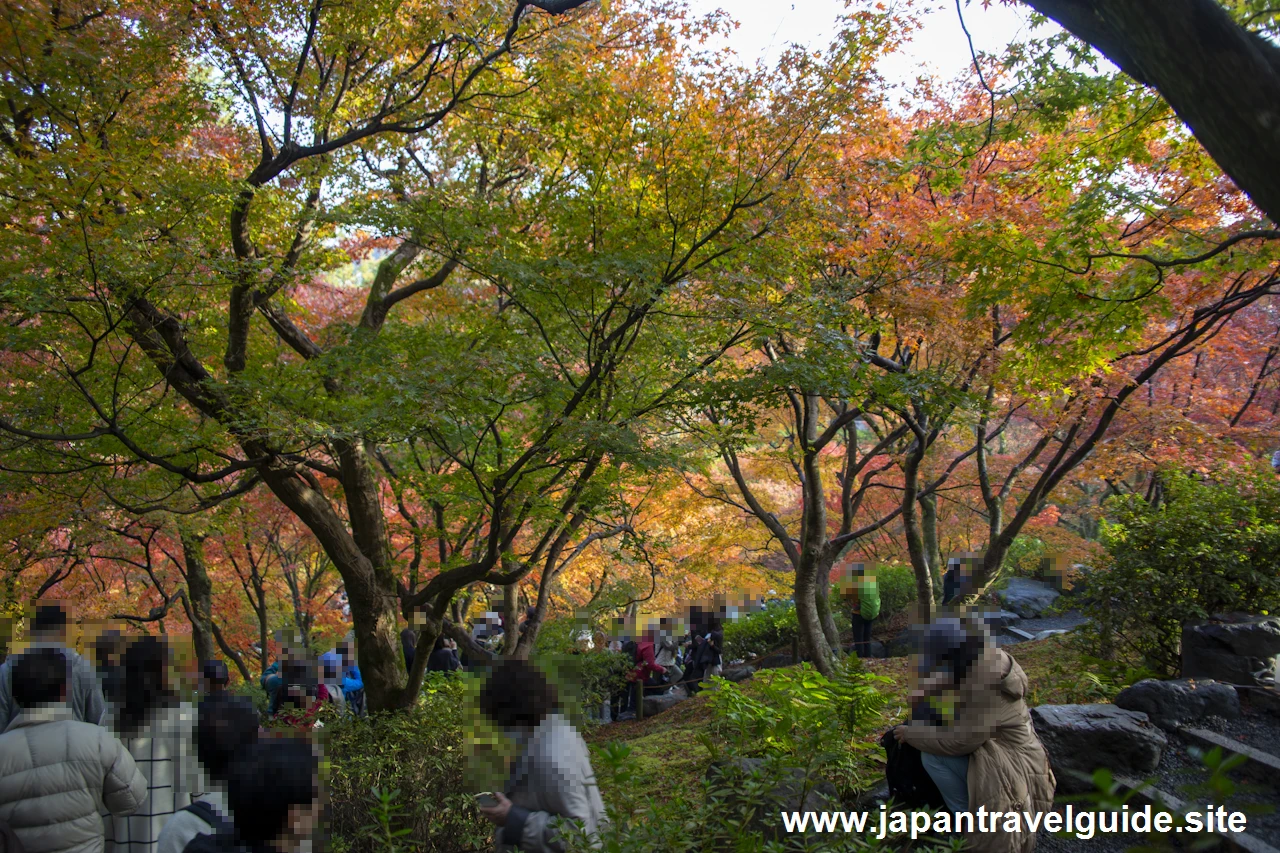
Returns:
<point x="877" y="650"/>
<point x="1027" y="597"/>
<point x="660" y="702"/>
<point x="775" y="661"/>
<point x="767" y="790"/>
<point x="1082" y="738"/>
<point x="739" y="673"/>
<point x="1234" y="649"/>
<point x="1170" y="704"/>
<point x="902" y="644"/>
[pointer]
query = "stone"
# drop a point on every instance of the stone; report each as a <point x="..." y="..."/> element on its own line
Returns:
<point x="774" y="661"/>
<point x="1083" y="738"/>
<point x="739" y="673"/>
<point x="1027" y="597"/>
<point x="1236" y="649"/>
<point x="1170" y="704"/>
<point x="876" y="650"/>
<point x="1050" y="632"/>
<point x="999" y="619"/>
<point x="736" y="783"/>
<point x="1263" y="700"/>
<point x="660" y="702"/>
<point x="902" y="644"/>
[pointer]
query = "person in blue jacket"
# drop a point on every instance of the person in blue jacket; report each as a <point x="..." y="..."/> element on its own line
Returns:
<point x="352" y="682"/>
<point x="271" y="681"/>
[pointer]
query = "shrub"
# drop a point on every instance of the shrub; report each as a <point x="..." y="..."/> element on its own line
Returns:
<point x="420" y="751"/>
<point x="1209" y="547"/>
<point x="585" y="681"/>
<point x="792" y="710"/>
<point x="897" y="584"/>
<point x="760" y="632"/>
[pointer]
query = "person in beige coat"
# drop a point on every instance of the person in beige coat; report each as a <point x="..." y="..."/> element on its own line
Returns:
<point x="987" y="754"/>
<point x="56" y="773"/>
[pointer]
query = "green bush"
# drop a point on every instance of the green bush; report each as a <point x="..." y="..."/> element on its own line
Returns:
<point x="797" y="712"/>
<point x="1208" y="547"/>
<point x="586" y="680"/>
<point x="897" y="584"/>
<point x="761" y="632"/>
<point x="726" y="816"/>
<point x="420" y="751"/>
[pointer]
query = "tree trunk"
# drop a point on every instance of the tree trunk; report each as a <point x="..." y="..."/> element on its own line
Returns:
<point x="199" y="598"/>
<point x="1221" y="79"/>
<point x="375" y="612"/>
<point x="929" y="530"/>
<point x="813" y="639"/>
<point x="813" y="608"/>
<point x="911" y="524"/>
<point x="822" y="599"/>
<point x="510" y="618"/>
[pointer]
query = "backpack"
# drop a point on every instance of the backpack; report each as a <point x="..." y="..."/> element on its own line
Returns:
<point x="209" y="815"/>
<point x="910" y="785"/>
<point x="9" y="842"/>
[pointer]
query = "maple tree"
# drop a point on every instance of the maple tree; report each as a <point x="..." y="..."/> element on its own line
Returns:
<point x="559" y="246"/>
<point x="516" y="304"/>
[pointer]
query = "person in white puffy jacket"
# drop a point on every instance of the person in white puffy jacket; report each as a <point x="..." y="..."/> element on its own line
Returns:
<point x="58" y="774"/>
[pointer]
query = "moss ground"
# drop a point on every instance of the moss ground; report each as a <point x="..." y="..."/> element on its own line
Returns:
<point x="670" y="756"/>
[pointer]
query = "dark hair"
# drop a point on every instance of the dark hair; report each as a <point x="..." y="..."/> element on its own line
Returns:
<point x="439" y="643"/>
<point x="49" y="617"/>
<point x="39" y="678"/>
<point x="216" y="672"/>
<point x="517" y="694"/>
<point x="146" y="682"/>
<point x="225" y="726"/>
<point x="264" y="780"/>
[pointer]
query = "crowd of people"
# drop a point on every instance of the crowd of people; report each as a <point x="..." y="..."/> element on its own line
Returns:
<point x="110" y="759"/>
<point x="665" y="657"/>
<point x="105" y="757"/>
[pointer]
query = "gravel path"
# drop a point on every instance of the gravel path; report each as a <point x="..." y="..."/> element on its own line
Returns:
<point x="1183" y="774"/>
<point x="1065" y="622"/>
<point x="1260" y="731"/>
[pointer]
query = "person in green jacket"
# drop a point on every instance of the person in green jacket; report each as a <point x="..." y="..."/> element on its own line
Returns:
<point x="866" y="608"/>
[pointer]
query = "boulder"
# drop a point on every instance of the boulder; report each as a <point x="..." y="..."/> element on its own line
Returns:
<point x="767" y="789"/>
<point x="1027" y="597"/>
<point x="774" y="661"/>
<point x="902" y="644"/>
<point x="1235" y="649"/>
<point x="1170" y="704"/>
<point x="1083" y="738"/>
<point x="660" y="702"/>
<point x="739" y="673"/>
<point x="877" y="650"/>
<point x="999" y="619"/>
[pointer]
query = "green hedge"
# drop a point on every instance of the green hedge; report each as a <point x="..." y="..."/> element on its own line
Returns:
<point x="1211" y="546"/>
<point x="422" y="754"/>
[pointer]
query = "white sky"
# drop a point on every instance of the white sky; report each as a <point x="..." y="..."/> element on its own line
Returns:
<point x="938" y="49"/>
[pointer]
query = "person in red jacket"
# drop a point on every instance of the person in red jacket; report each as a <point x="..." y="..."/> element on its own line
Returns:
<point x="647" y="670"/>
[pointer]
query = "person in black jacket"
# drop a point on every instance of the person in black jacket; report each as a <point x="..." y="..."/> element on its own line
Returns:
<point x="273" y="791"/>
<point x="408" y="645"/>
<point x="443" y="658"/>
<point x="225" y="726"/>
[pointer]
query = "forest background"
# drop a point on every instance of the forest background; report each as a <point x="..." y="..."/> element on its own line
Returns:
<point x="330" y="319"/>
